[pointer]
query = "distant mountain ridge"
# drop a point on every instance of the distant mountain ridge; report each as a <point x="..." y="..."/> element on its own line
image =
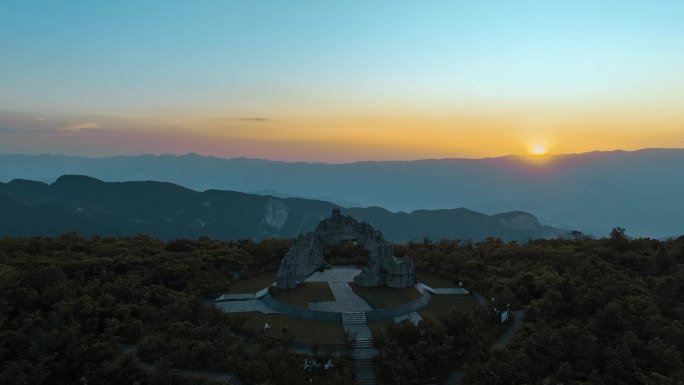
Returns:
<point x="594" y="192"/>
<point x="90" y="206"/>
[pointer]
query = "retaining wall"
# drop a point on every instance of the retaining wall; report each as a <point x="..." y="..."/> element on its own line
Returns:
<point x="396" y="311"/>
<point x="371" y="315"/>
<point x="299" y="312"/>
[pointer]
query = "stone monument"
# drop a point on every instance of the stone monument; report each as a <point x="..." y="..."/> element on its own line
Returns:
<point x="307" y="254"/>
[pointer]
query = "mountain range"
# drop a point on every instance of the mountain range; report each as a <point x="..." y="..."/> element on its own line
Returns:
<point x="90" y="206"/>
<point x="594" y="192"/>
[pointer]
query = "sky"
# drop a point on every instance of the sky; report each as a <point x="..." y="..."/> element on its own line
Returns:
<point x="340" y="81"/>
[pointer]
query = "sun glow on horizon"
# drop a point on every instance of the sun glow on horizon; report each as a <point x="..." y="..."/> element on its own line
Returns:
<point x="538" y="149"/>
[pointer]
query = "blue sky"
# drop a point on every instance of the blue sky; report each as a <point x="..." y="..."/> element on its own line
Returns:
<point x="314" y="64"/>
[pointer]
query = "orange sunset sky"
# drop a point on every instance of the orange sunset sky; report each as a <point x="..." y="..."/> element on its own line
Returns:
<point x="340" y="82"/>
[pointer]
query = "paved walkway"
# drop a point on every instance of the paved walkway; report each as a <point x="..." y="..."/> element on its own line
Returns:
<point x="244" y="306"/>
<point x="338" y="279"/>
<point x="347" y="299"/>
<point x="413" y="317"/>
<point x="481" y="300"/>
<point x="235" y="297"/>
<point x="450" y="290"/>
<point x="441" y="290"/>
<point x="518" y="316"/>
<point x="334" y="275"/>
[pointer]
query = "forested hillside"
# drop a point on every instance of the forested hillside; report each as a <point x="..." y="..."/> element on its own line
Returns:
<point x="640" y="190"/>
<point x="67" y="304"/>
<point x="167" y="211"/>
<point x="606" y="311"/>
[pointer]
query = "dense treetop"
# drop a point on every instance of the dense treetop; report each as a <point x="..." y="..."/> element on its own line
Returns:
<point x="605" y="311"/>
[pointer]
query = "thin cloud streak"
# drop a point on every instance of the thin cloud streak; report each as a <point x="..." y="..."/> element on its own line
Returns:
<point x="253" y="119"/>
<point x="83" y="126"/>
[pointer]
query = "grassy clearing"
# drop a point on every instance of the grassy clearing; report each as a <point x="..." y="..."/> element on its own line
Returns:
<point x="443" y="304"/>
<point x="252" y="284"/>
<point x="385" y="297"/>
<point x="434" y="281"/>
<point x="284" y="327"/>
<point x="304" y="294"/>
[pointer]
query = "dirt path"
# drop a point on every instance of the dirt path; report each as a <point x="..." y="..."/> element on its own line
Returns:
<point x="219" y="377"/>
<point x="508" y="335"/>
<point x="456" y="376"/>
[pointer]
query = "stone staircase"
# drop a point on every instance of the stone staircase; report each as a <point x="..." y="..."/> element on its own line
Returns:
<point x="362" y="343"/>
<point x="354" y="318"/>
<point x="363" y="346"/>
<point x="261" y="293"/>
<point x="365" y="371"/>
<point x="234" y="380"/>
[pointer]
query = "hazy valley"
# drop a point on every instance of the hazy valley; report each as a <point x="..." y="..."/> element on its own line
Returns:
<point x="89" y="206"/>
<point x="592" y="192"/>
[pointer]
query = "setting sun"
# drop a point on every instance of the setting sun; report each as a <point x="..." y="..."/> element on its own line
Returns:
<point x="538" y="150"/>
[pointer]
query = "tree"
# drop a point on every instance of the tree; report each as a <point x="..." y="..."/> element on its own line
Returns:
<point x="618" y="239"/>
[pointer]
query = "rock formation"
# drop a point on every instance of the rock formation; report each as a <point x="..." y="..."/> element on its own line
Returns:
<point x="275" y="213"/>
<point x="309" y="250"/>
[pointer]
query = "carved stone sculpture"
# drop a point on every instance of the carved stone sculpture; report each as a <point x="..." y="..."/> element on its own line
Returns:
<point x="308" y="252"/>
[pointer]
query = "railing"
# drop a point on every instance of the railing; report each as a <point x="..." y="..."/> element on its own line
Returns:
<point x="261" y="293"/>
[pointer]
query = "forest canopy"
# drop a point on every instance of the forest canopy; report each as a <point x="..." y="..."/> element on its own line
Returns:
<point x="598" y="311"/>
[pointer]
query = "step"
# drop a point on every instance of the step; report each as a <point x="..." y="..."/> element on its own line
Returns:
<point x="365" y="371"/>
<point x="363" y="343"/>
<point x="233" y="380"/>
<point x="354" y="318"/>
<point x="359" y="314"/>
